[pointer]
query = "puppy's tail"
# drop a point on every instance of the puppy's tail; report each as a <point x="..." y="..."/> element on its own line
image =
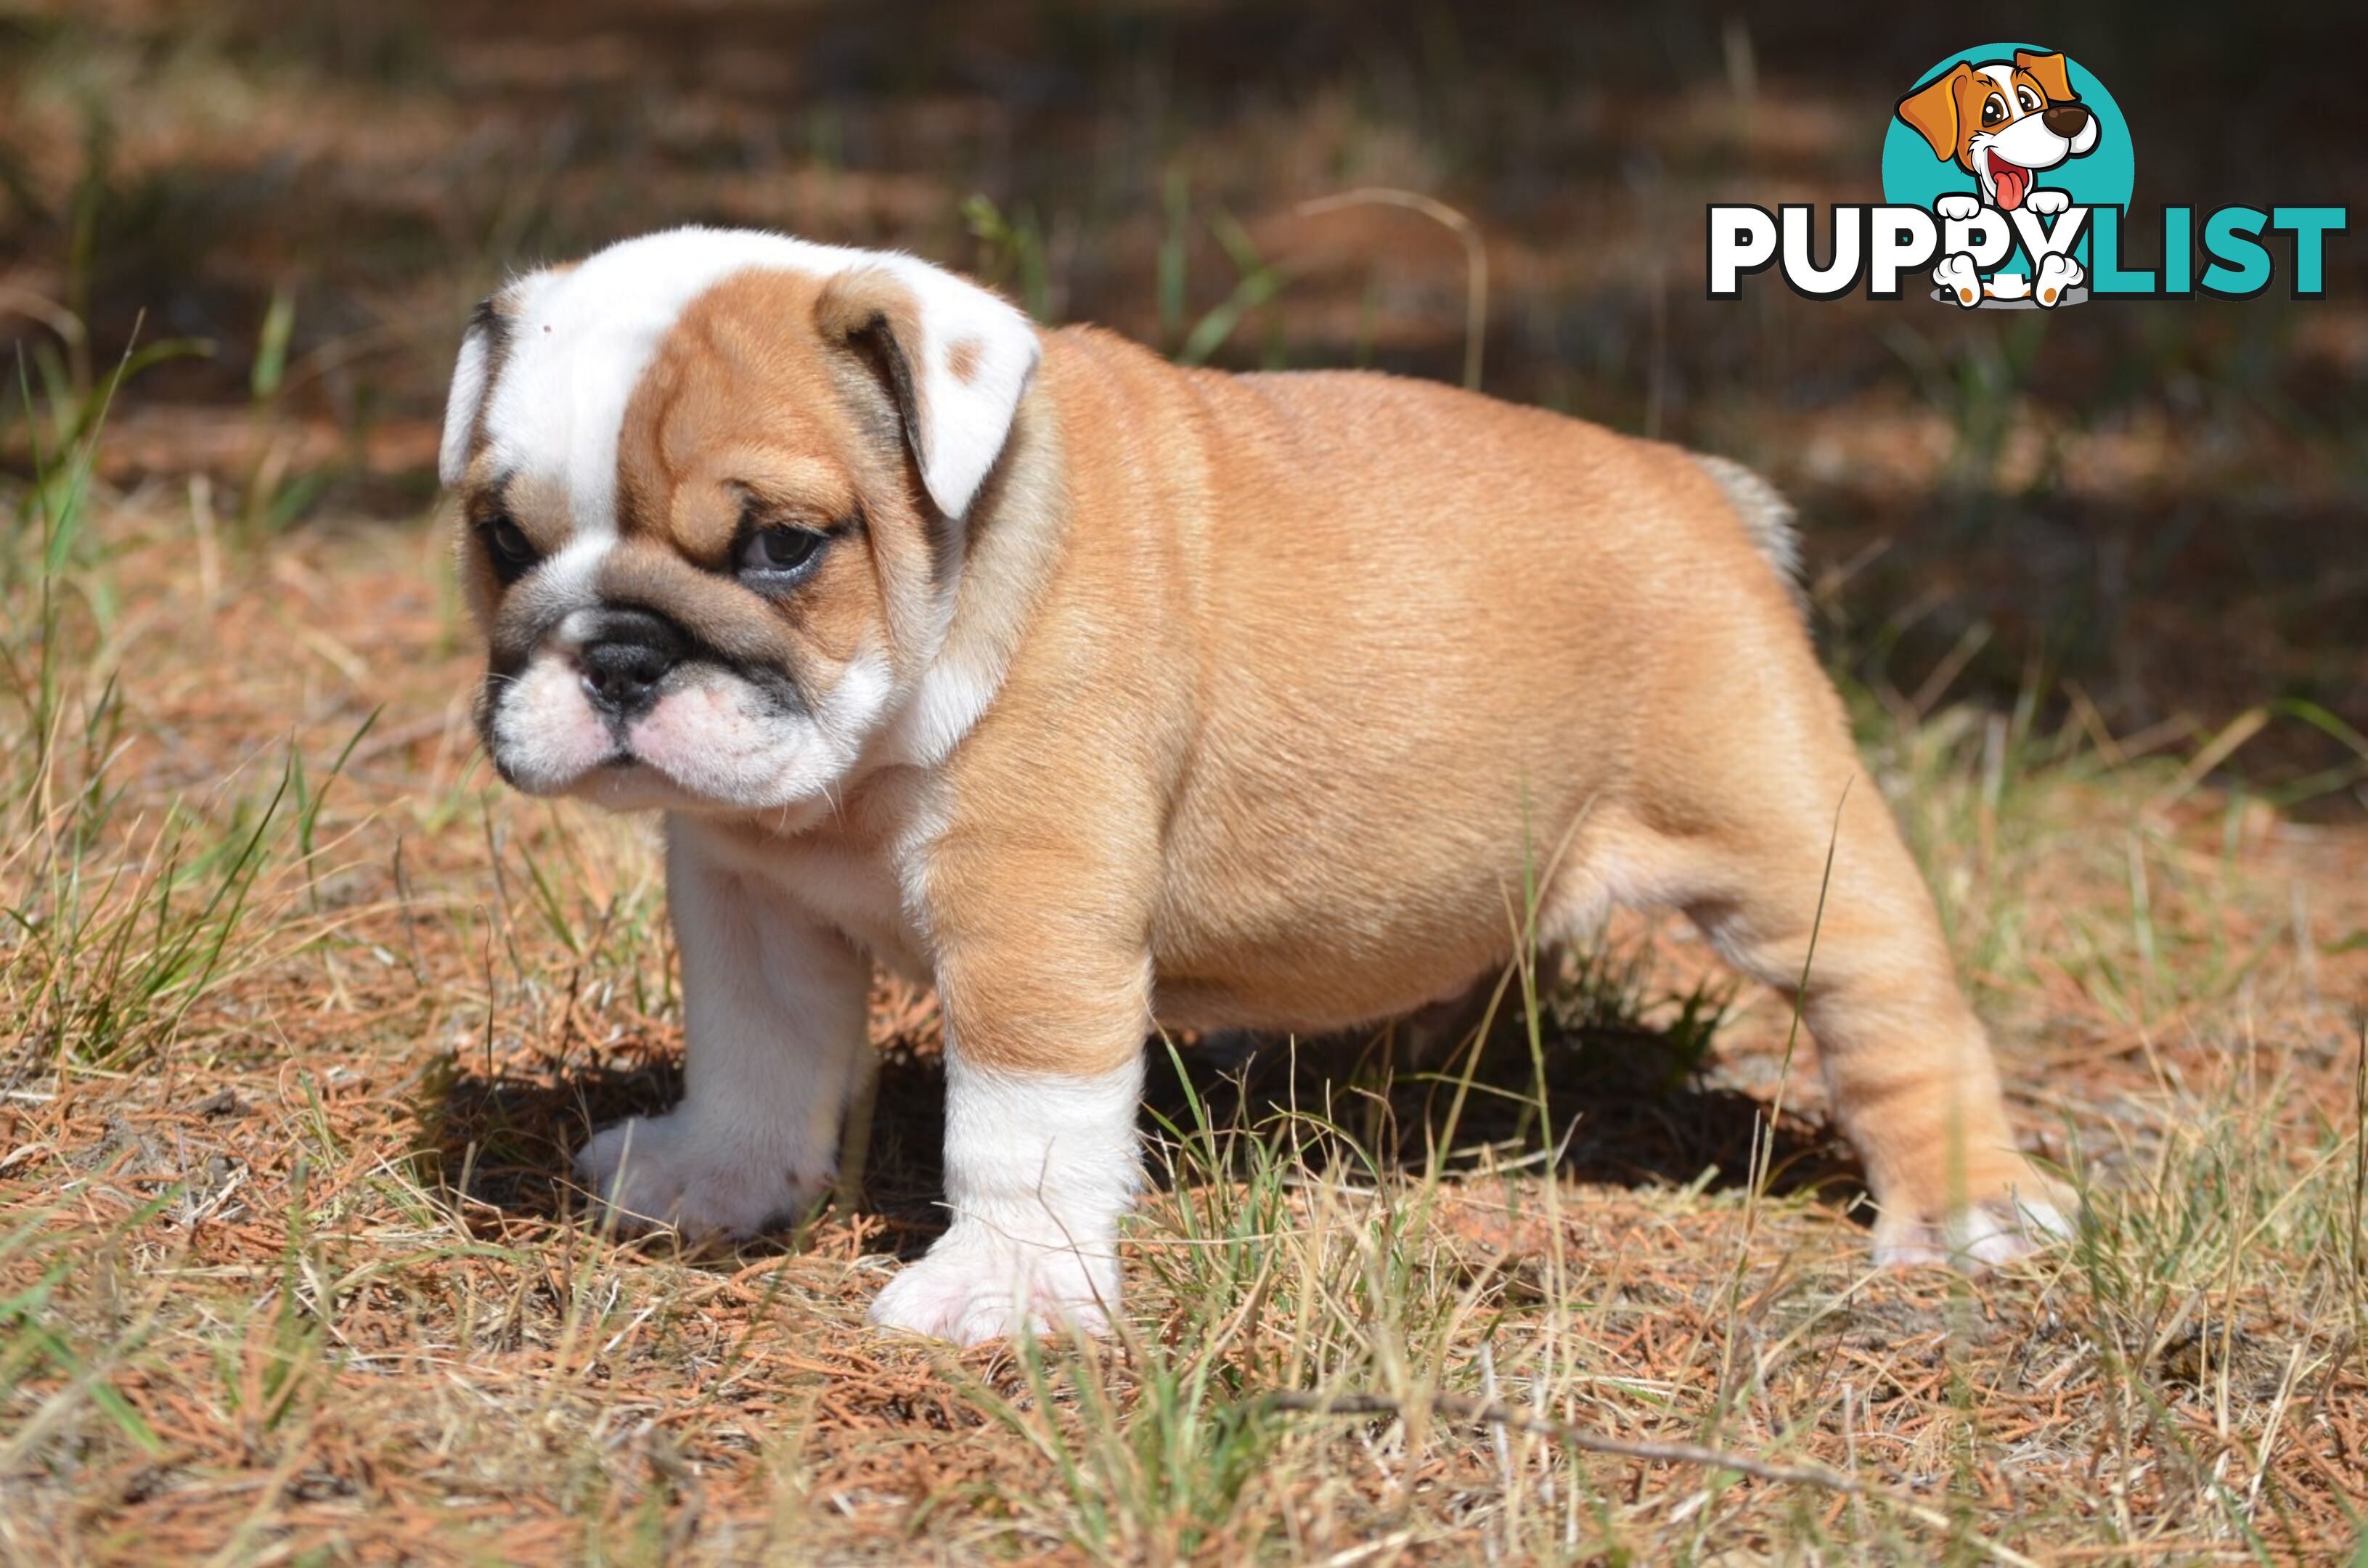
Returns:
<point x="1767" y="518"/>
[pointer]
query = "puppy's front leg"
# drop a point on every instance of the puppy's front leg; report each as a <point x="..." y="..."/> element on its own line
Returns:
<point x="1043" y="1076"/>
<point x="773" y="1012"/>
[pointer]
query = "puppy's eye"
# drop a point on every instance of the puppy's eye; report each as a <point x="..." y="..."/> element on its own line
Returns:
<point x="1993" y="109"/>
<point x="779" y="556"/>
<point x="512" y="552"/>
<point x="2028" y="100"/>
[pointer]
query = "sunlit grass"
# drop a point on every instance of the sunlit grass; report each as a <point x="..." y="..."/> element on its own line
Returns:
<point x="302" y="1016"/>
<point x="290" y="1262"/>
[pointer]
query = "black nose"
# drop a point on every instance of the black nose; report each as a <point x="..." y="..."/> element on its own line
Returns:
<point x="624" y="665"/>
<point x="2066" y="119"/>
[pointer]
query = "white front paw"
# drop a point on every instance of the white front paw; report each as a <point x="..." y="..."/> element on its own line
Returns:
<point x="2057" y="274"/>
<point x="1972" y="1238"/>
<point x="2048" y="202"/>
<point x="1957" y="276"/>
<point x="978" y="1285"/>
<point x="1957" y="206"/>
<point x="668" y="1170"/>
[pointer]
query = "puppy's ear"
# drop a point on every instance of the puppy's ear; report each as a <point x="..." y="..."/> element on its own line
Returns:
<point x="1932" y="110"/>
<point x="2049" y="69"/>
<point x="956" y="356"/>
<point x="472" y="374"/>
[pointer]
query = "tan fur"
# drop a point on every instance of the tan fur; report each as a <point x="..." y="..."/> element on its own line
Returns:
<point x="741" y="416"/>
<point x="2048" y="73"/>
<point x="962" y="358"/>
<point x="1936" y="110"/>
<point x="1305" y="673"/>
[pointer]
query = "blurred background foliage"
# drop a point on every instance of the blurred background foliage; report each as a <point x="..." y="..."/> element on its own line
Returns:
<point x="2155" y="508"/>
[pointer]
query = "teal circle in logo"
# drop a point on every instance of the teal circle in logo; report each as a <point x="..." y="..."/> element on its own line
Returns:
<point x="2103" y="177"/>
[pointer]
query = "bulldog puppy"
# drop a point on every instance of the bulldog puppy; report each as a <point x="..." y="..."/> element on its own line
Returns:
<point x="1100" y="693"/>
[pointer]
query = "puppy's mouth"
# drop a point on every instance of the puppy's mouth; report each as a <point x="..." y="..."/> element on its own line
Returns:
<point x="2011" y="182"/>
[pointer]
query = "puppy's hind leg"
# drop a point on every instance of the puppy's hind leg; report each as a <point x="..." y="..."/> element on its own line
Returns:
<point x="1905" y="1062"/>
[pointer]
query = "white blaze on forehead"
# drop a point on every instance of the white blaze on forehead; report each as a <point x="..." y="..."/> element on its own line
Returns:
<point x="2004" y="77"/>
<point x="577" y="344"/>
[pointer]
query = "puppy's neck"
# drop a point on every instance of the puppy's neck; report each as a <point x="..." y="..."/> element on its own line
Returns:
<point x="993" y="564"/>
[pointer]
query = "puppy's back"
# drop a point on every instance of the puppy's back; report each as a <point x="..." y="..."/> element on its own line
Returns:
<point x="1421" y="634"/>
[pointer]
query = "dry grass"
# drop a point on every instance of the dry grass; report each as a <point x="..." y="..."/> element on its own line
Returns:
<point x="305" y="1029"/>
<point x="301" y="1014"/>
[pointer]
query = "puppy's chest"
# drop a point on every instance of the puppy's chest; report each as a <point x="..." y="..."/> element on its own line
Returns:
<point x="859" y="895"/>
<point x="848" y="875"/>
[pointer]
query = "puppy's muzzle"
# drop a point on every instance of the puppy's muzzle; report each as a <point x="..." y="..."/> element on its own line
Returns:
<point x="2065" y="119"/>
<point x="622" y="663"/>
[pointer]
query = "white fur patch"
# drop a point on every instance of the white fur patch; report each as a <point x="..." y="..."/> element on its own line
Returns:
<point x="709" y="742"/>
<point x="1974" y="1237"/>
<point x="953" y="693"/>
<point x="2029" y="142"/>
<point x="460" y="405"/>
<point x="546" y="736"/>
<point x="774" y="1010"/>
<point x="715" y="736"/>
<point x="1040" y="1167"/>
<point x="964" y="420"/>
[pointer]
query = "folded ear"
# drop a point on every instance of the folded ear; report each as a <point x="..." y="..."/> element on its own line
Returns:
<point x="957" y="356"/>
<point x="470" y="375"/>
<point x="2049" y="69"/>
<point x="1932" y="110"/>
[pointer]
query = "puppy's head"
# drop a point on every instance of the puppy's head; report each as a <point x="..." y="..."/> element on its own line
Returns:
<point x="712" y="491"/>
<point x="2002" y="120"/>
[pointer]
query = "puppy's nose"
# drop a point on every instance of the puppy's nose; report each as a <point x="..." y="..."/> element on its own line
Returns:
<point x="2066" y="119"/>
<point x="622" y="667"/>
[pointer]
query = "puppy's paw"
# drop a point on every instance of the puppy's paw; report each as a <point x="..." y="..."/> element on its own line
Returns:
<point x="662" y="1170"/>
<point x="2009" y="1224"/>
<point x="2057" y="274"/>
<point x="1957" y="206"/>
<point x="1957" y="276"/>
<point x="977" y="1286"/>
<point x="2047" y="202"/>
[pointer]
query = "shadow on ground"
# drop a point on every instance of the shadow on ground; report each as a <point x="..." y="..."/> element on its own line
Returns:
<point x="1627" y="1102"/>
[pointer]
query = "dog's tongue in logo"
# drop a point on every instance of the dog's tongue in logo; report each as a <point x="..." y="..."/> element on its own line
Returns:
<point x="2011" y="180"/>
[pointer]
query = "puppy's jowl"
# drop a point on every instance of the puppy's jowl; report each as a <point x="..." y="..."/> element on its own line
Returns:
<point x="1096" y="691"/>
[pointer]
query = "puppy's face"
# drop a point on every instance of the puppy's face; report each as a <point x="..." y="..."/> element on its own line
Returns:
<point x="2003" y="121"/>
<point x="713" y="490"/>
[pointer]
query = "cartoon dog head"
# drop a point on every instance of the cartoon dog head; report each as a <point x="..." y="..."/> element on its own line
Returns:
<point x="2003" y="121"/>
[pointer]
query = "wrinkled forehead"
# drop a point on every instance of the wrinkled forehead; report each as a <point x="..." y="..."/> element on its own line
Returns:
<point x="564" y="351"/>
